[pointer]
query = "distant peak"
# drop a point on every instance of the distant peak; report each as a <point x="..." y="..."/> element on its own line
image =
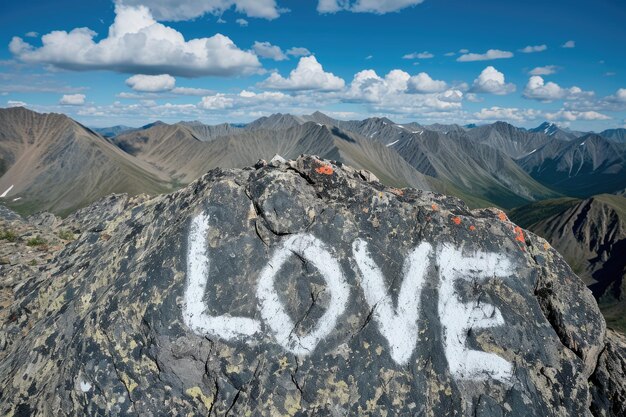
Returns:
<point x="157" y="123"/>
<point x="25" y="110"/>
<point x="503" y="124"/>
<point x="191" y="123"/>
<point x="504" y="127"/>
<point x="382" y="120"/>
<point x="546" y="128"/>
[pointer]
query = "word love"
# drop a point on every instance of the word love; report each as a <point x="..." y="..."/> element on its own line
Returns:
<point x="398" y="324"/>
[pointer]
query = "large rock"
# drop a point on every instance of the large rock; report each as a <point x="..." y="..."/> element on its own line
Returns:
<point x="609" y="379"/>
<point x="299" y="288"/>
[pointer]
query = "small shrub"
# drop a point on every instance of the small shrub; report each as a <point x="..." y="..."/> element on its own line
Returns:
<point x="66" y="235"/>
<point x="9" y="235"/>
<point x="33" y="262"/>
<point x="36" y="241"/>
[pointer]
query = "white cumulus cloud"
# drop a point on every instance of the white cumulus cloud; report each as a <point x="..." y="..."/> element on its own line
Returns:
<point x="269" y="51"/>
<point x="217" y="102"/>
<point x="137" y="43"/>
<point x="365" y="6"/>
<point x="614" y="102"/>
<point x="584" y="101"/>
<point x="492" y="81"/>
<point x="242" y="22"/>
<point x="423" y="83"/>
<point x="487" y="56"/>
<point x="368" y="86"/>
<point x="538" y="89"/>
<point x="392" y="93"/>
<point x="176" y="10"/>
<point x="620" y="95"/>
<point x="247" y="102"/>
<point x="151" y="83"/>
<point x="569" y="44"/>
<point x="308" y="75"/>
<point x="72" y="100"/>
<point x="512" y="114"/>
<point x="572" y="116"/>
<point x="16" y="103"/>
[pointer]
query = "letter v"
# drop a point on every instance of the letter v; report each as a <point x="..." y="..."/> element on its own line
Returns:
<point x="398" y="326"/>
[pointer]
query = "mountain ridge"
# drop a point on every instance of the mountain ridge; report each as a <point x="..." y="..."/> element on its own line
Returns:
<point x="51" y="162"/>
<point x="480" y="164"/>
<point x="581" y="167"/>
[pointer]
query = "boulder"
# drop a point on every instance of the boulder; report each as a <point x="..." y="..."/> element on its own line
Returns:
<point x="301" y="288"/>
<point x="608" y="382"/>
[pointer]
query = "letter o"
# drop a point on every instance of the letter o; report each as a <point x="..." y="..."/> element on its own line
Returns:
<point x="272" y="310"/>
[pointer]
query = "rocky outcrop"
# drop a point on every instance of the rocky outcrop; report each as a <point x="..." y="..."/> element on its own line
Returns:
<point x="609" y="379"/>
<point x="591" y="236"/>
<point x="299" y="288"/>
<point x="26" y="247"/>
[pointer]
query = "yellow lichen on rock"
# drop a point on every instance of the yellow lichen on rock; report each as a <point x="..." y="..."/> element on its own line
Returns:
<point x="292" y="404"/>
<point x="197" y="394"/>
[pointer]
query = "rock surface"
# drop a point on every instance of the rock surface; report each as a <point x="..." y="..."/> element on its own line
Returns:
<point x="26" y="246"/>
<point x="591" y="236"/>
<point x="609" y="378"/>
<point x="299" y="288"/>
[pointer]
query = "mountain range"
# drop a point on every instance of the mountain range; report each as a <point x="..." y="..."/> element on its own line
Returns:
<point x="43" y="157"/>
<point x="582" y="167"/>
<point x="564" y="185"/>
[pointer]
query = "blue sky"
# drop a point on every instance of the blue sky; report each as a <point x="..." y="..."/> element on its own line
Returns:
<point x="235" y="60"/>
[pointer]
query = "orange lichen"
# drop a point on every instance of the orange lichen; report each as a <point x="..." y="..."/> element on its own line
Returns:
<point x="325" y="170"/>
<point x="397" y="191"/>
<point x="546" y="246"/>
<point x="502" y="216"/>
<point x="472" y="228"/>
<point x="456" y="220"/>
<point x="435" y="207"/>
